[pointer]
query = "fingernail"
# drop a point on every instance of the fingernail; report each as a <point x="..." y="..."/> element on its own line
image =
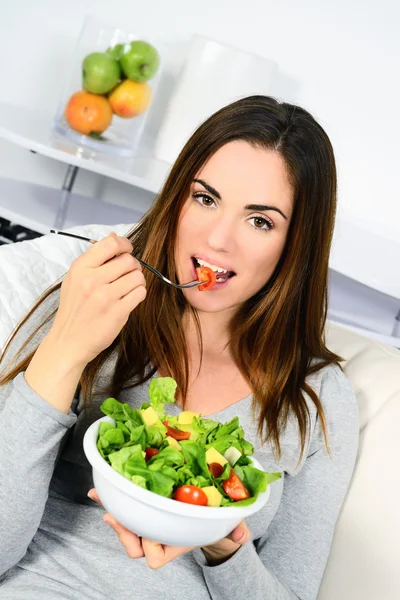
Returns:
<point x="242" y="534"/>
<point x="90" y="494"/>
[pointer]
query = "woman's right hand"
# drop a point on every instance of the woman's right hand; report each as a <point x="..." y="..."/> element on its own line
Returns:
<point x="98" y="294"/>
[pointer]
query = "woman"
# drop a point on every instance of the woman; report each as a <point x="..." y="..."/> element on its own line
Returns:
<point x="253" y="195"/>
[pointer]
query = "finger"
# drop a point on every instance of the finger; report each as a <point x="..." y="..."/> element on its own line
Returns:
<point x="104" y="250"/>
<point x="157" y="555"/>
<point x="130" y="541"/>
<point x="127" y="283"/>
<point x="130" y="301"/>
<point x="94" y="496"/>
<point x="117" y="267"/>
<point x="154" y="553"/>
<point x="241" y="534"/>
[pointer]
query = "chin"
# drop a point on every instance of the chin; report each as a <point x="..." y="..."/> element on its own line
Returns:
<point x="205" y="302"/>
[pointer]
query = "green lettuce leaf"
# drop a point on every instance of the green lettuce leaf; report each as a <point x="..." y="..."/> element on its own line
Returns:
<point x="229" y="427"/>
<point x="112" y="438"/>
<point x="195" y="456"/>
<point x="224" y="442"/>
<point x="125" y="430"/>
<point x="114" y="409"/>
<point x="184" y="474"/>
<point x="119" y="459"/>
<point x="139" y="480"/>
<point x="161" y="391"/>
<point x="168" y="456"/>
<point x="132" y="415"/>
<point x="155" y="435"/>
<point x="161" y="483"/>
<point x="135" y="461"/>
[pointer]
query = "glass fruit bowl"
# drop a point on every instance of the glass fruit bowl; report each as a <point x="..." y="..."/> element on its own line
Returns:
<point x="110" y="89"/>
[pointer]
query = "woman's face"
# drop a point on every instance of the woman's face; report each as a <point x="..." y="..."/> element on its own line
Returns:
<point x="235" y="220"/>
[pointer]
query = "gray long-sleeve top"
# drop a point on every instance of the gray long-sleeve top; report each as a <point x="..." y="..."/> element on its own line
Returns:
<point x="54" y="544"/>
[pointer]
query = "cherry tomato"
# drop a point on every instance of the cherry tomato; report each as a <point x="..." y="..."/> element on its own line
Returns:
<point x="206" y="274"/>
<point x="191" y="494"/>
<point x="150" y="452"/>
<point x="177" y="434"/>
<point x="216" y="469"/>
<point x="235" y="488"/>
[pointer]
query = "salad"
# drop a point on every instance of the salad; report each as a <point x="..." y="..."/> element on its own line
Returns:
<point x="186" y="457"/>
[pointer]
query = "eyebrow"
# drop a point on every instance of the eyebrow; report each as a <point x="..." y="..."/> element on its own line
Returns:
<point x="260" y="207"/>
<point x="264" y="207"/>
<point x="209" y="188"/>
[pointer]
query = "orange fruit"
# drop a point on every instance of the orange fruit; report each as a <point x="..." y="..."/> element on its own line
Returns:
<point x="130" y="98"/>
<point x="88" y="113"/>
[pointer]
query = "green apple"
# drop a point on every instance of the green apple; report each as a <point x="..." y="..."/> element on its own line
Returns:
<point x="100" y="73"/>
<point x="140" y="62"/>
<point x="116" y="51"/>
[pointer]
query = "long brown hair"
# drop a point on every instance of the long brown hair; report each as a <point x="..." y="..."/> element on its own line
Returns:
<point x="277" y="336"/>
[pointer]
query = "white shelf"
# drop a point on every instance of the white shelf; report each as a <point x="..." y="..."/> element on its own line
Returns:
<point x="356" y="304"/>
<point x="367" y="253"/>
<point x="373" y="335"/>
<point x="31" y="129"/>
<point x="35" y="206"/>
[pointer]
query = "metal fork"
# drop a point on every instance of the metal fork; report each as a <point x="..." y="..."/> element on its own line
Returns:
<point x="142" y="262"/>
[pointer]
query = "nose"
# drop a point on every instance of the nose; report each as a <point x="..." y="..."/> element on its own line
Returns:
<point x="221" y="235"/>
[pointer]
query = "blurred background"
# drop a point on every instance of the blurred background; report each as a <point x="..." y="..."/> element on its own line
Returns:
<point x="339" y="60"/>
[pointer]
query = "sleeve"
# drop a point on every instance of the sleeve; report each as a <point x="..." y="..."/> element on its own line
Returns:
<point x="288" y="562"/>
<point x="31" y="431"/>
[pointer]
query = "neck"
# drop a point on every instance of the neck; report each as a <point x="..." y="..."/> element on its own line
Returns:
<point x="214" y="329"/>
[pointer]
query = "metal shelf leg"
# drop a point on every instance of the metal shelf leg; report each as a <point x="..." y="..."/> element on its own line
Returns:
<point x="65" y="197"/>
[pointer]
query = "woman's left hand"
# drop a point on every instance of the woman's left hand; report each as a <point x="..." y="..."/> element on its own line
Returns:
<point x="157" y="555"/>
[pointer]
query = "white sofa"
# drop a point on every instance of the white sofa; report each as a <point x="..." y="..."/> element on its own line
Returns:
<point x="364" y="563"/>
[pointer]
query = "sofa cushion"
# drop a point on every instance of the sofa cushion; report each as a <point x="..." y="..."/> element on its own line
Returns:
<point x="365" y="554"/>
<point x="372" y="367"/>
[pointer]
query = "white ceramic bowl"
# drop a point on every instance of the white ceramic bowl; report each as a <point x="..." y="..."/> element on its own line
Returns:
<point x="158" y="518"/>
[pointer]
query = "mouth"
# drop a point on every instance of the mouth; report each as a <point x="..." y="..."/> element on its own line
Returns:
<point x="222" y="274"/>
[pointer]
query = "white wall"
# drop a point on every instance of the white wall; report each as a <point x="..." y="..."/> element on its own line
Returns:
<point x="339" y="59"/>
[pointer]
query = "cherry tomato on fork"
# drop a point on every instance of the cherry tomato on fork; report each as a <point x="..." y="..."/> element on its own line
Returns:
<point x="206" y="274"/>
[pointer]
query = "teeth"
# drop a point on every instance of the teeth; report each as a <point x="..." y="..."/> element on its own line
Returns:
<point x="219" y="280"/>
<point x="216" y="269"/>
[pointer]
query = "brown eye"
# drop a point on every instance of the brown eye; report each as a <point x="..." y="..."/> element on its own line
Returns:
<point x="262" y="223"/>
<point x="204" y="200"/>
